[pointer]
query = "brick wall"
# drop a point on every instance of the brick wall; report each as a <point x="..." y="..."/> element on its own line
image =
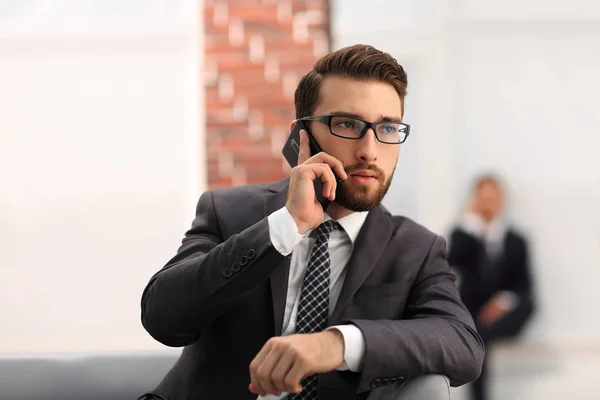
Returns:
<point x="256" y="52"/>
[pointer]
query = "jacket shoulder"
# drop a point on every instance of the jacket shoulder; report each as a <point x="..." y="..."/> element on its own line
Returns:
<point x="516" y="235"/>
<point x="243" y="192"/>
<point x="238" y="207"/>
<point x="406" y="227"/>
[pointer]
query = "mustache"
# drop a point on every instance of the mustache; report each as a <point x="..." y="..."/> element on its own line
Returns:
<point x="362" y="166"/>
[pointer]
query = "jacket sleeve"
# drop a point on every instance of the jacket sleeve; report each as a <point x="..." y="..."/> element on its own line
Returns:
<point x="523" y="282"/>
<point x="206" y="277"/>
<point x="437" y="336"/>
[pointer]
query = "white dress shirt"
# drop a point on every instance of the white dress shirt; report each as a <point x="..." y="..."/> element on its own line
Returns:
<point x="286" y="239"/>
<point x="491" y="233"/>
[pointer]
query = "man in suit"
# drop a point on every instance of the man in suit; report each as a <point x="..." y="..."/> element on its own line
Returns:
<point x="491" y="259"/>
<point x="273" y="297"/>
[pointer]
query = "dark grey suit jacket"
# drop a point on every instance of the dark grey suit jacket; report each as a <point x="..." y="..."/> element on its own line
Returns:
<point x="223" y="296"/>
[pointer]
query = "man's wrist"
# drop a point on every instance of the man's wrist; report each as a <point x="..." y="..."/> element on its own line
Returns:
<point x="300" y="226"/>
<point x="354" y="347"/>
<point x="335" y="343"/>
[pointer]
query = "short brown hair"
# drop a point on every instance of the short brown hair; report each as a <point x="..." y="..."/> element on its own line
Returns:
<point x="360" y="62"/>
<point x="486" y="178"/>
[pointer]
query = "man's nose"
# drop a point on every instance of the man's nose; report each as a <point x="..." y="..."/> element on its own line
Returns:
<point x="367" y="147"/>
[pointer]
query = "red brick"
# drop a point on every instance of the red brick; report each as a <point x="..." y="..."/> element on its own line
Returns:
<point x="290" y="47"/>
<point x="254" y="12"/>
<point x="269" y="31"/>
<point x="232" y="66"/>
<point x="246" y="147"/>
<point x="250" y="77"/>
<point x="226" y="52"/>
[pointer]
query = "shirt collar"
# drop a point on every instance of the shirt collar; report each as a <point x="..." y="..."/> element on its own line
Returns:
<point x="496" y="230"/>
<point x="351" y="223"/>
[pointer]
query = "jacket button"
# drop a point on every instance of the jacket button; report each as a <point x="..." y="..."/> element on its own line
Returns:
<point x="401" y="379"/>
<point x="235" y="267"/>
<point x="244" y="260"/>
<point x="251" y="254"/>
<point x="376" y="383"/>
<point x="227" y="273"/>
<point x="393" y="380"/>
<point x="385" y="381"/>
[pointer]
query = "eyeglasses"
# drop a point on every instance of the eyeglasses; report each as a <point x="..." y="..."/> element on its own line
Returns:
<point x="354" y="128"/>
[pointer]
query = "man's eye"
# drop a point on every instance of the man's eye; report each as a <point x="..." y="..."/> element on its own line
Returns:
<point x="389" y="129"/>
<point x="345" y="124"/>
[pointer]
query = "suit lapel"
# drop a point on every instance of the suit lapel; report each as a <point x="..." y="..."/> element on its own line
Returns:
<point x="370" y="244"/>
<point x="274" y="200"/>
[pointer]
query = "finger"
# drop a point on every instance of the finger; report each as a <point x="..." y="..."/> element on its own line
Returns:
<point x="295" y="374"/>
<point x="328" y="189"/>
<point x="325" y="174"/>
<point x="265" y="371"/>
<point x="254" y="366"/>
<point x="281" y="370"/>
<point x="254" y="389"/>
<point x="333" y="163"/>
<point x="330" y="185"/>
<point x="304" y="153"/>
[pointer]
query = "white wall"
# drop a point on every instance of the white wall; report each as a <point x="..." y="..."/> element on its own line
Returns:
<point x="514" y="87"/>
<point x="100" y="166"/>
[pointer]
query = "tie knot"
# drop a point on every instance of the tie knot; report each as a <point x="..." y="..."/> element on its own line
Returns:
<point x="324" y="230"/>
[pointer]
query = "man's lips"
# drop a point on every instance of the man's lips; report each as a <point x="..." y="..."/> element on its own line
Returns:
<point x="364" y="177"/>
<point x="365" y="174"/>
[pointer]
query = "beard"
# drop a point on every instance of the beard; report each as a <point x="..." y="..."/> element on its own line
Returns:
<point x="356" y="197"/>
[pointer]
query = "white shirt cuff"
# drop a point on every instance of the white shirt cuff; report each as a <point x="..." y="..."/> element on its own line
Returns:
<point x="283" y="231"/>
<point x="354" y="347"/>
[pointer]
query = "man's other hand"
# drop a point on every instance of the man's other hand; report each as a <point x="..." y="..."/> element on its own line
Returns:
<point x="284" y="361"/>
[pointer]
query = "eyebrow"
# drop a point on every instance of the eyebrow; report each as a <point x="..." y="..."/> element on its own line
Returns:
<point x="384" y="118"/>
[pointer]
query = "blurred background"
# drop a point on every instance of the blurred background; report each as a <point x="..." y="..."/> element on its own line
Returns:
<point x="116" y="115"/>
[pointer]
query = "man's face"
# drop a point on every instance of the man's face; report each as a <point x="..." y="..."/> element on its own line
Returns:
<point x="489" y="200"/>
<point x="369" y="163"/>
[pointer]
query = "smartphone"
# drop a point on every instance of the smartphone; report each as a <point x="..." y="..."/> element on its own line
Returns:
<point x="290" y="151"/>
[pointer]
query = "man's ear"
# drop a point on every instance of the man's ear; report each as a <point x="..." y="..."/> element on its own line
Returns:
<point x="292" y="124"/>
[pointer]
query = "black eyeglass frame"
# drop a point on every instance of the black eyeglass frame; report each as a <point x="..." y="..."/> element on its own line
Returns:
<point x="326" y="120"/>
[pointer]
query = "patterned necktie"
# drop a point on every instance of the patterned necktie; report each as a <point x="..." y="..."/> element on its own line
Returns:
<point x="313" y="308"/>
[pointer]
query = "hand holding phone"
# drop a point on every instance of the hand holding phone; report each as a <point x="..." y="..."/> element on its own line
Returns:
<point x="314" y="178"/>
